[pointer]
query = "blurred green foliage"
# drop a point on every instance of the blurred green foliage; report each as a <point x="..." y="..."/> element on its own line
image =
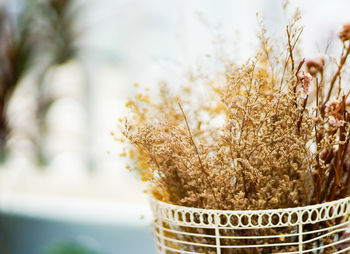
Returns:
<point x="70" y="249"/>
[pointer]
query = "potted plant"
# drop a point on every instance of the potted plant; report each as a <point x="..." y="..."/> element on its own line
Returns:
<point x="261" y="167"/>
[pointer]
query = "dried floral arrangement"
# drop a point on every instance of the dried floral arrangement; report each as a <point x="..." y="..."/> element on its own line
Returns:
<point x="284" y="141"/>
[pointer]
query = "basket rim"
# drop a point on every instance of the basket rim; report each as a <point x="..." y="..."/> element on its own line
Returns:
<point x="276" y="210"/>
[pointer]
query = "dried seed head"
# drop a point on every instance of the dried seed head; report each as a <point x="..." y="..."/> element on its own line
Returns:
<point x="331" y="106"/>
<point x="332" y="110"/>
<point x="336" y="121"/>
<point x="315" y="65"/>
<point x="305" y="79"/>
<point x="344" y="34"/>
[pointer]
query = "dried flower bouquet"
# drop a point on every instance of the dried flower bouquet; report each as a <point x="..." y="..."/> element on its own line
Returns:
<point x="284" y="141"/>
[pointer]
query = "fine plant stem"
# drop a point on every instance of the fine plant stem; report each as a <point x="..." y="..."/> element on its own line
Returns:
<point x="336" y="75"/>
<point x="319" y="174"/>
<point x="198" y="155"/>
<point x="290" y="55"/>
<point x="340" y="155"/>
<point x="299" y="67"/>
<point x="302" y="113"/>
<point x="290" y="48"/>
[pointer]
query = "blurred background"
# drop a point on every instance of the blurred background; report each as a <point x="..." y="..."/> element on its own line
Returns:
<point x="67" y="68"/>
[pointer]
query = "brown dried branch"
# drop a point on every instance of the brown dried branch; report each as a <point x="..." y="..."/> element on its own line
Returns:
<point x="199" y="157"/>
<point x="336" y="75"/>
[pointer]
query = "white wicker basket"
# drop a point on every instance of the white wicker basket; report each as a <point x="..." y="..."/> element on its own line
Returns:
<point x="321" y="228"/>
